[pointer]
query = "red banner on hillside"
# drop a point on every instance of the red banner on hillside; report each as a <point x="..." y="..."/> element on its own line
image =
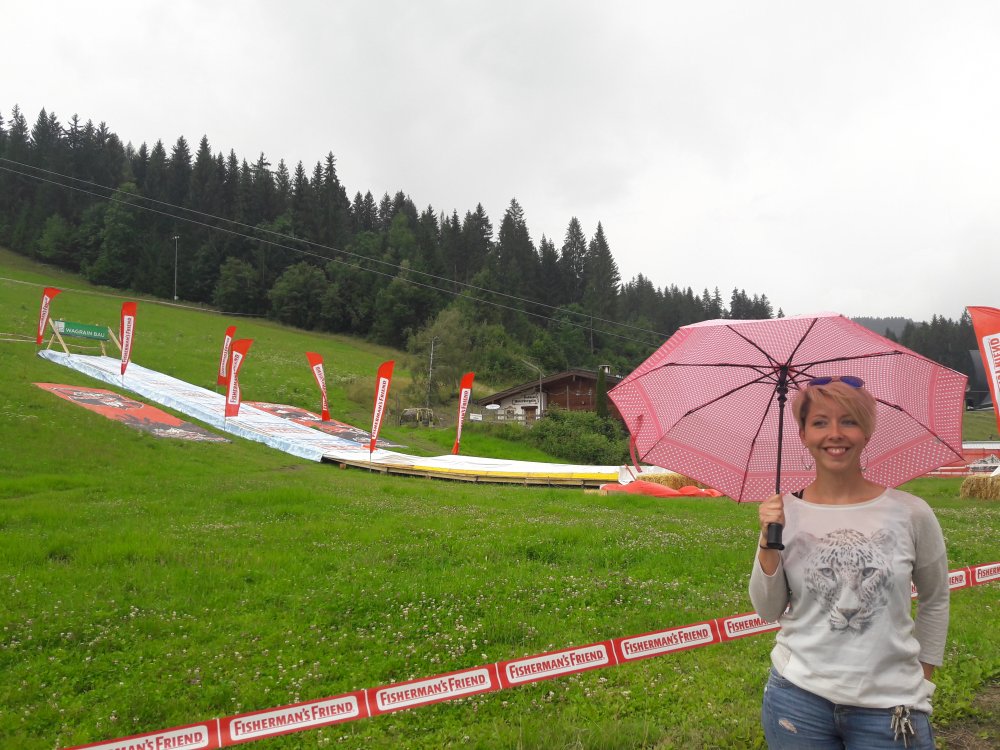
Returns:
<point x="464" y="394"/>
<point x="316" y="364"/>
<point x="227" y="343"/>
<point x="126" y="332"/>
<point x="382" y="381"/>
<point x="986" y="322"/>
<point x="43" y="314"/>
<point x="187" y="737"/>
<point x="274" y="722"/>
<point x="233" y="395"/>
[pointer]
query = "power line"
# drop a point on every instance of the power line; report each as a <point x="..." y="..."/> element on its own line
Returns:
<point x="118" y="296"/>
<point x="174" y="213"/>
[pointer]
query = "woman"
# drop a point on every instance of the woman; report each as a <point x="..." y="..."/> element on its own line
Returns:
<point x="850" y="668"/>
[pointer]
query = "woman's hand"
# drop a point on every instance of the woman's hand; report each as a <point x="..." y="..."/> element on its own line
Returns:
<point x="771" y="510"/>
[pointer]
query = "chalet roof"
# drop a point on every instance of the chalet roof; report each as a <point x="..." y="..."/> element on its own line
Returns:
<point x="529" y="385"/>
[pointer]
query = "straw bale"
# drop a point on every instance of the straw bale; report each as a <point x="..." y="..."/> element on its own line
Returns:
<point x="982" y="488"/>
<point x="670" y="479"/>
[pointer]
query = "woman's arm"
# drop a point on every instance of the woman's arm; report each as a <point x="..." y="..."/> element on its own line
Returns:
<point x="768" y="585"/>
<point x="930" y="576"/>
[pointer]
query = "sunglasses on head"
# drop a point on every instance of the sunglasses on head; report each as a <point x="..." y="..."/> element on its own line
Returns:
<point x="845" y="379"/>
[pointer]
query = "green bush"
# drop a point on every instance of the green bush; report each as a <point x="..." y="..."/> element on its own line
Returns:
<point x="580" y="437"/>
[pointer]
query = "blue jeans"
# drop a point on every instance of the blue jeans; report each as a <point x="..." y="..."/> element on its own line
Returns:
<point x="795" y="718"/>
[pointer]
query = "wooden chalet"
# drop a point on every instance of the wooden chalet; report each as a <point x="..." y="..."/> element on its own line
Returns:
<point x="573" y="390"/>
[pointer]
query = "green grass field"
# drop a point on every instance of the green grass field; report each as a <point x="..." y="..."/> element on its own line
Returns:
<point x="150" y="583"/>
<point x="980" y="425"/>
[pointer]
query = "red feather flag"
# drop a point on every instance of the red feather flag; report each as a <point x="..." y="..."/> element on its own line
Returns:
<point x="316" y="365"/>
<point x="986" y="322"/>
<point x="382" y="381"/>
<point x="464" y="394"/>
<point x="43" y="314"/>
<point x="126" y="332"/>
<point x="227" y="342"/>
<point x="233" y="395"/>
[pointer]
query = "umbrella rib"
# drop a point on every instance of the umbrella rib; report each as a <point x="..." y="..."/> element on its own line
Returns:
<point x="812" y="324"/>
<point x="753" y="443"/>
<point x="802" y="368"/>
<point x="755" y="381"/>
<point x="756" y="346"/>
<point x="889" y="405"/>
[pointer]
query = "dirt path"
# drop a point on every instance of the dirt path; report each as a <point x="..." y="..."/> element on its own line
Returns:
<point x="981" y="731"/>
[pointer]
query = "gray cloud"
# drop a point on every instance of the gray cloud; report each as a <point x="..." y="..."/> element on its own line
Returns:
<point x="834" y="157"/>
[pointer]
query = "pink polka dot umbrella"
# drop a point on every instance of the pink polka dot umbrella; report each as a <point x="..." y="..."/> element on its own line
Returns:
<point x="710" y="402"/>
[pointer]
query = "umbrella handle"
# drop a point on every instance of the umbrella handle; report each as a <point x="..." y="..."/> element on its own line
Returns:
<point x="774" y="536"/>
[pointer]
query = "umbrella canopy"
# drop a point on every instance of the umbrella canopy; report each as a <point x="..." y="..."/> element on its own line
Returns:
<point x="710" y="402"/>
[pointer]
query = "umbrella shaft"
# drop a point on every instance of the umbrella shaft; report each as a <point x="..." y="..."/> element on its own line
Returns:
<point x="782" y="391"/>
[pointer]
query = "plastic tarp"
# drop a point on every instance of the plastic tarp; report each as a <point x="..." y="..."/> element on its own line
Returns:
<point x="654" y="489"/>
<point x="299" y="440"/>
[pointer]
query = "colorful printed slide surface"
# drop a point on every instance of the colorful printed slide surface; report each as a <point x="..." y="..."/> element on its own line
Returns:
<point x="132" y="413"/>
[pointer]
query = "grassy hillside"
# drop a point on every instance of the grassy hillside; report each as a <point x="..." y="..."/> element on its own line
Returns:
<point x="151" y="583"/>
<point x="185" y="342"/>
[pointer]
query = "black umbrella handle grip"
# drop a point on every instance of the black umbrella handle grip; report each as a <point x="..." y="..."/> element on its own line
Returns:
<point x="774" y="536"/>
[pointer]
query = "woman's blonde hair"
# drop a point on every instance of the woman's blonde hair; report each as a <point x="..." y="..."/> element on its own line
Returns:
<point x="857" y="402"/>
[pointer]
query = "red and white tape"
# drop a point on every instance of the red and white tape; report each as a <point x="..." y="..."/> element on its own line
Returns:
<point x="362" y="704"/>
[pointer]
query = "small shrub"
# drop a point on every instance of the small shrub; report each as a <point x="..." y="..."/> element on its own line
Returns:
<point x="580" y="437"/>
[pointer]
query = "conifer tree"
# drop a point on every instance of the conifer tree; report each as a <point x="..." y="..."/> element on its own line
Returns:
<point x="205" y="190"/>
<point x="385" y="212"/>
<point x="549" y="271"/>
<point x="282" y="189"/>
<point x="140" y="165"/>
<point x="516" y="267"/>
<point x="601" y="278"/>
<point x="428" y="234"/>
<point x="179" y="173"/>
<point x="572" y="262"/>
<point x="335" y="208"/>
<point x="452" y="255"/>
<point x="45" y="152"/>
<point x="477" y="242"/>
<point x="301" y="202"/>
<point x="155" y="185"/>
<point x="261" y="192"/>
<point x="639" y="301"/>
<point x="113" y="164"/>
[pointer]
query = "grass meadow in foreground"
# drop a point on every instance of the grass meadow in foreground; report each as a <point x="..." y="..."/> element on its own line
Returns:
<point x="150" y="583"/>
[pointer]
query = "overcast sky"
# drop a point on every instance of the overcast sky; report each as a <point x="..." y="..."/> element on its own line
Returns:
<point x="834" y="156"/>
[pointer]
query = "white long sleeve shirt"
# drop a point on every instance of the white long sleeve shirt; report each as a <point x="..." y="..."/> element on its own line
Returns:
<point x="844" y="579"/>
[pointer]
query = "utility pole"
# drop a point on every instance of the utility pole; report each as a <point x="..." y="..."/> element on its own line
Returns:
<point x="536" y="367"/>
<point x="175" y="238"/>
<point x="430" y="373"/>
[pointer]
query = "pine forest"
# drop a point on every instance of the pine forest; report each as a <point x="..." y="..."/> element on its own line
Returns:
<point x="292" y="244"/>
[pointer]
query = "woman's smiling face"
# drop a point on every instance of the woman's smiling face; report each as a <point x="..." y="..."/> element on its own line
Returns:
<point x="832" y="436"/>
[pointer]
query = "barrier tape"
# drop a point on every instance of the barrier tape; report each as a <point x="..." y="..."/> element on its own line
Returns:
<point x="400" y="696"/>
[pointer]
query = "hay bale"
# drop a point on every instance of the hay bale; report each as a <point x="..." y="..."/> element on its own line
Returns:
<point x="670" y="479"/>
<point x="982" y="488"/>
